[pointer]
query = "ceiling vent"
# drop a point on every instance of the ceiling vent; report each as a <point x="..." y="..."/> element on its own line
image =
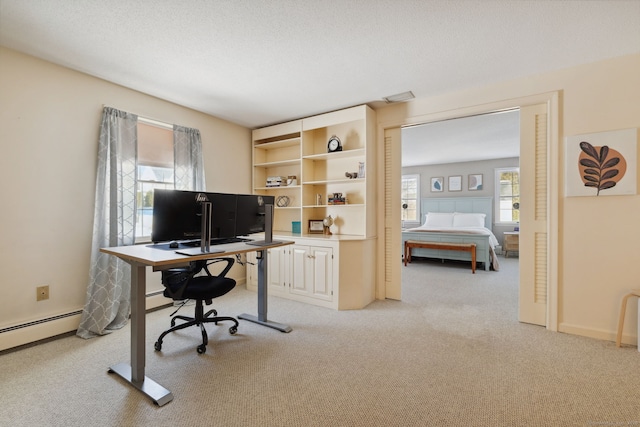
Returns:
<point x="399" y="97"/>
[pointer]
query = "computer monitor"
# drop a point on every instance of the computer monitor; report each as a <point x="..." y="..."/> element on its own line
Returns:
<point x="250" y="216"/>
<point x="177" y="215"/>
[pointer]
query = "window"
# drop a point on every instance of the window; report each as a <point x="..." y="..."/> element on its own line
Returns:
<point x="508" y="197"/>
<point x="410" y="196"/>
<point x="155" y="170"/>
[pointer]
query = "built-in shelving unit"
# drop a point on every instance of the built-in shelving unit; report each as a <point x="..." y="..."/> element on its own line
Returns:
<point x="336" y="270"/>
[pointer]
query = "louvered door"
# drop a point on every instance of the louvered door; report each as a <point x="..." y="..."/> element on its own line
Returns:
<point x="392" y="210"/>
<point x="534" y="161"/>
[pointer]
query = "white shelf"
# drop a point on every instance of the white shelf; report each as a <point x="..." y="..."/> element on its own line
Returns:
<point x="278" y="163"/>
<point x="359" y="152"/>
<point x="278" y="144"/>
<point x="335" y="181"/>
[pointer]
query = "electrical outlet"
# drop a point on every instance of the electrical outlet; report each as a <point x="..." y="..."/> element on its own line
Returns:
<point x="42" y="293"/>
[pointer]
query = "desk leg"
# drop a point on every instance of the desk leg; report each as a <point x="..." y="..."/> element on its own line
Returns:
<point x="134" y="373"/>
<point x="262" y="298"/>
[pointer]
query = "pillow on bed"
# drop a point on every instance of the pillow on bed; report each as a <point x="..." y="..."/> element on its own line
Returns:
<point x="468" y="219"/>
<point x="439" y="219"/>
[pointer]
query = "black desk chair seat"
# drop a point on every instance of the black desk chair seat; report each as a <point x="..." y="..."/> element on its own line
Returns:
<point x="181" y="284"/>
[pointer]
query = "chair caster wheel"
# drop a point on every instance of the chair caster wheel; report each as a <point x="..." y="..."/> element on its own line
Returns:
<point x="233" y="330"/>
<point x="202" y="349"/>
<point x="158" y="346"/>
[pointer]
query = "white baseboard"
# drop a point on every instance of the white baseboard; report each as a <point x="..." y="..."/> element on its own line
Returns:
<point x="600" y="334"/>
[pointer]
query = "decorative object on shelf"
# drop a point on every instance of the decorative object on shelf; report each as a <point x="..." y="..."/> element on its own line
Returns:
<point x="276" y="181"/>
<point x="327" y="223"/>
<point x="295" y="227"/>
<point x="318" y="199"/>
<point x="292" y="180"/>
<point x="337" y="199"/>
<point x="316" y="226"/>
<point x="334" y="144"/>
<point x="360" y="170"/>
<point x="437" y="184"/>
<point x="475" y="182"/>
<point x="351" y="175"/>
<point x="283" y="201"/>
<point x="455" y="183"/>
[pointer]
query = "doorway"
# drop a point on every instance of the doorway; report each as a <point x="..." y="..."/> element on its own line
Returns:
<point x="465" y="154"/>
<point x="539" y="161"/>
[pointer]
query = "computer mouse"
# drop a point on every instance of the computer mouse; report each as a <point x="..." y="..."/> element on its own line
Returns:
<point x="173" y="244"/>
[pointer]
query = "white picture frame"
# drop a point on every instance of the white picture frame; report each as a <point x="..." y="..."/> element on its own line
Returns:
<point x="475" y="182"/>
<point x="455" y="183"/>
<point x="615" y="175"/>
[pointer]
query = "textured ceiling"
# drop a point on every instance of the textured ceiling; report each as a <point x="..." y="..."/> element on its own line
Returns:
<point x="262" y="62"/>
<point x="482" y="137"/>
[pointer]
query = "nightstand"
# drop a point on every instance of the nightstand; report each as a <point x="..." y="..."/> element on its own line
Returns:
<point x="511" y="242"/>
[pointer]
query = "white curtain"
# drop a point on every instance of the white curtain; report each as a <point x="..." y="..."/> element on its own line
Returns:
<point x="187" y="154"/>
<point x="108" y="302"/>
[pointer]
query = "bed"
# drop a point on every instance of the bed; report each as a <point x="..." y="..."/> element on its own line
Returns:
<point x="456" y="220"/>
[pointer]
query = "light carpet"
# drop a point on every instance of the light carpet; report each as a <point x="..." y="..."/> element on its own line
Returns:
<point x="451" y="353"/>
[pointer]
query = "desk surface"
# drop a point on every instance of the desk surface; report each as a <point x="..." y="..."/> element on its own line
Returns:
<point x="144" y="254"/>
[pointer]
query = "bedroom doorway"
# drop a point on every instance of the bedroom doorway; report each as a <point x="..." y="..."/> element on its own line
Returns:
<point x="538" y="240"/>
<point x="463" y="155"/>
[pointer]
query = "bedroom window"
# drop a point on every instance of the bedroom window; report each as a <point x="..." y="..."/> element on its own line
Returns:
<point x="410" y="197"/>
<point x="508" y="197"/>
<point x="155" y="170"/>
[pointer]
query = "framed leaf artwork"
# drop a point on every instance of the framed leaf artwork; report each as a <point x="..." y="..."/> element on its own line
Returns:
<point x="602" y="164"/>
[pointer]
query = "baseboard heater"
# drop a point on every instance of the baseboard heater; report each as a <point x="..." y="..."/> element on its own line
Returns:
<point x="58" y="317"/>
<point x="39" y="322"/>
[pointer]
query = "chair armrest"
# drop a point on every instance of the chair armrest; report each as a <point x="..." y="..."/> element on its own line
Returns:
<point x="224" y="272"/>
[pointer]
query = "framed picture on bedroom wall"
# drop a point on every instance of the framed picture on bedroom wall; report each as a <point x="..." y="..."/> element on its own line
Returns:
<point x="475" y="182"/>
<point x="437" y="184"/>
<point x="455" y="183"/>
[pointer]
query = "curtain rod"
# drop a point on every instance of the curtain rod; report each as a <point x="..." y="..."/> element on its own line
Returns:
<point x="148" y="120"/>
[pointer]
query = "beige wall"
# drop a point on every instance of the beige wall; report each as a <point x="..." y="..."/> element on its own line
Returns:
<point x="50" y="119"/>
<point x="598" y="237"/>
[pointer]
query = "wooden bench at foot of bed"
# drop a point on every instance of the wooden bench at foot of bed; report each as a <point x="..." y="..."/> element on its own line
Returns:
<point x="464" y="247"/>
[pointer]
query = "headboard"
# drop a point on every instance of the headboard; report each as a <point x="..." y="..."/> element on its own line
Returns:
<point x="460" y="204"/>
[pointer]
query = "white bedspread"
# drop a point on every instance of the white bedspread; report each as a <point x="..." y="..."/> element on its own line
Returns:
<point x="493" y="241"/>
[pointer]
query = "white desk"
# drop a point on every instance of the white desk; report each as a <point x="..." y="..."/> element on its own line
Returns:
<point x="140" y="257"/>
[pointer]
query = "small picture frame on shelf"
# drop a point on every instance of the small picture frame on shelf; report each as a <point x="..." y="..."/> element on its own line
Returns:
<point x="316" y="226"/>
<point x="437" y="184"/>
<point x="475" y="182"/>
<point x="455" y="183"/>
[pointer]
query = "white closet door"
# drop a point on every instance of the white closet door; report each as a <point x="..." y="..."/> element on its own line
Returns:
<point x="534" y="207"/>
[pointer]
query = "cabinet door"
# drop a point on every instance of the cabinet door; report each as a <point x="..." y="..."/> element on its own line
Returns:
<point x="312" y="272"/>
<point x="321" y="284"/>
<point x="278" y="268"/>
<point x="252" y="268"/>
<point x="300" y="267"/>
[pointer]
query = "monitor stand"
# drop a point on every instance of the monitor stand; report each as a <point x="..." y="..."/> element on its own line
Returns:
<point x="268" y="229"/>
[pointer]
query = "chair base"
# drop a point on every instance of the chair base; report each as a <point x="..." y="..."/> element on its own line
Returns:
<point x="199" y="320"/>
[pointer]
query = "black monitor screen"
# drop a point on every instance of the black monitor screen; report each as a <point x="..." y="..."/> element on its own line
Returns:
<point x="177" y="215"/>
<point x="250" y="216"/>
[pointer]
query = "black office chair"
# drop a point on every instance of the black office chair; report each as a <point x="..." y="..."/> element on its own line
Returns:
<point x="182" y="284"/>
